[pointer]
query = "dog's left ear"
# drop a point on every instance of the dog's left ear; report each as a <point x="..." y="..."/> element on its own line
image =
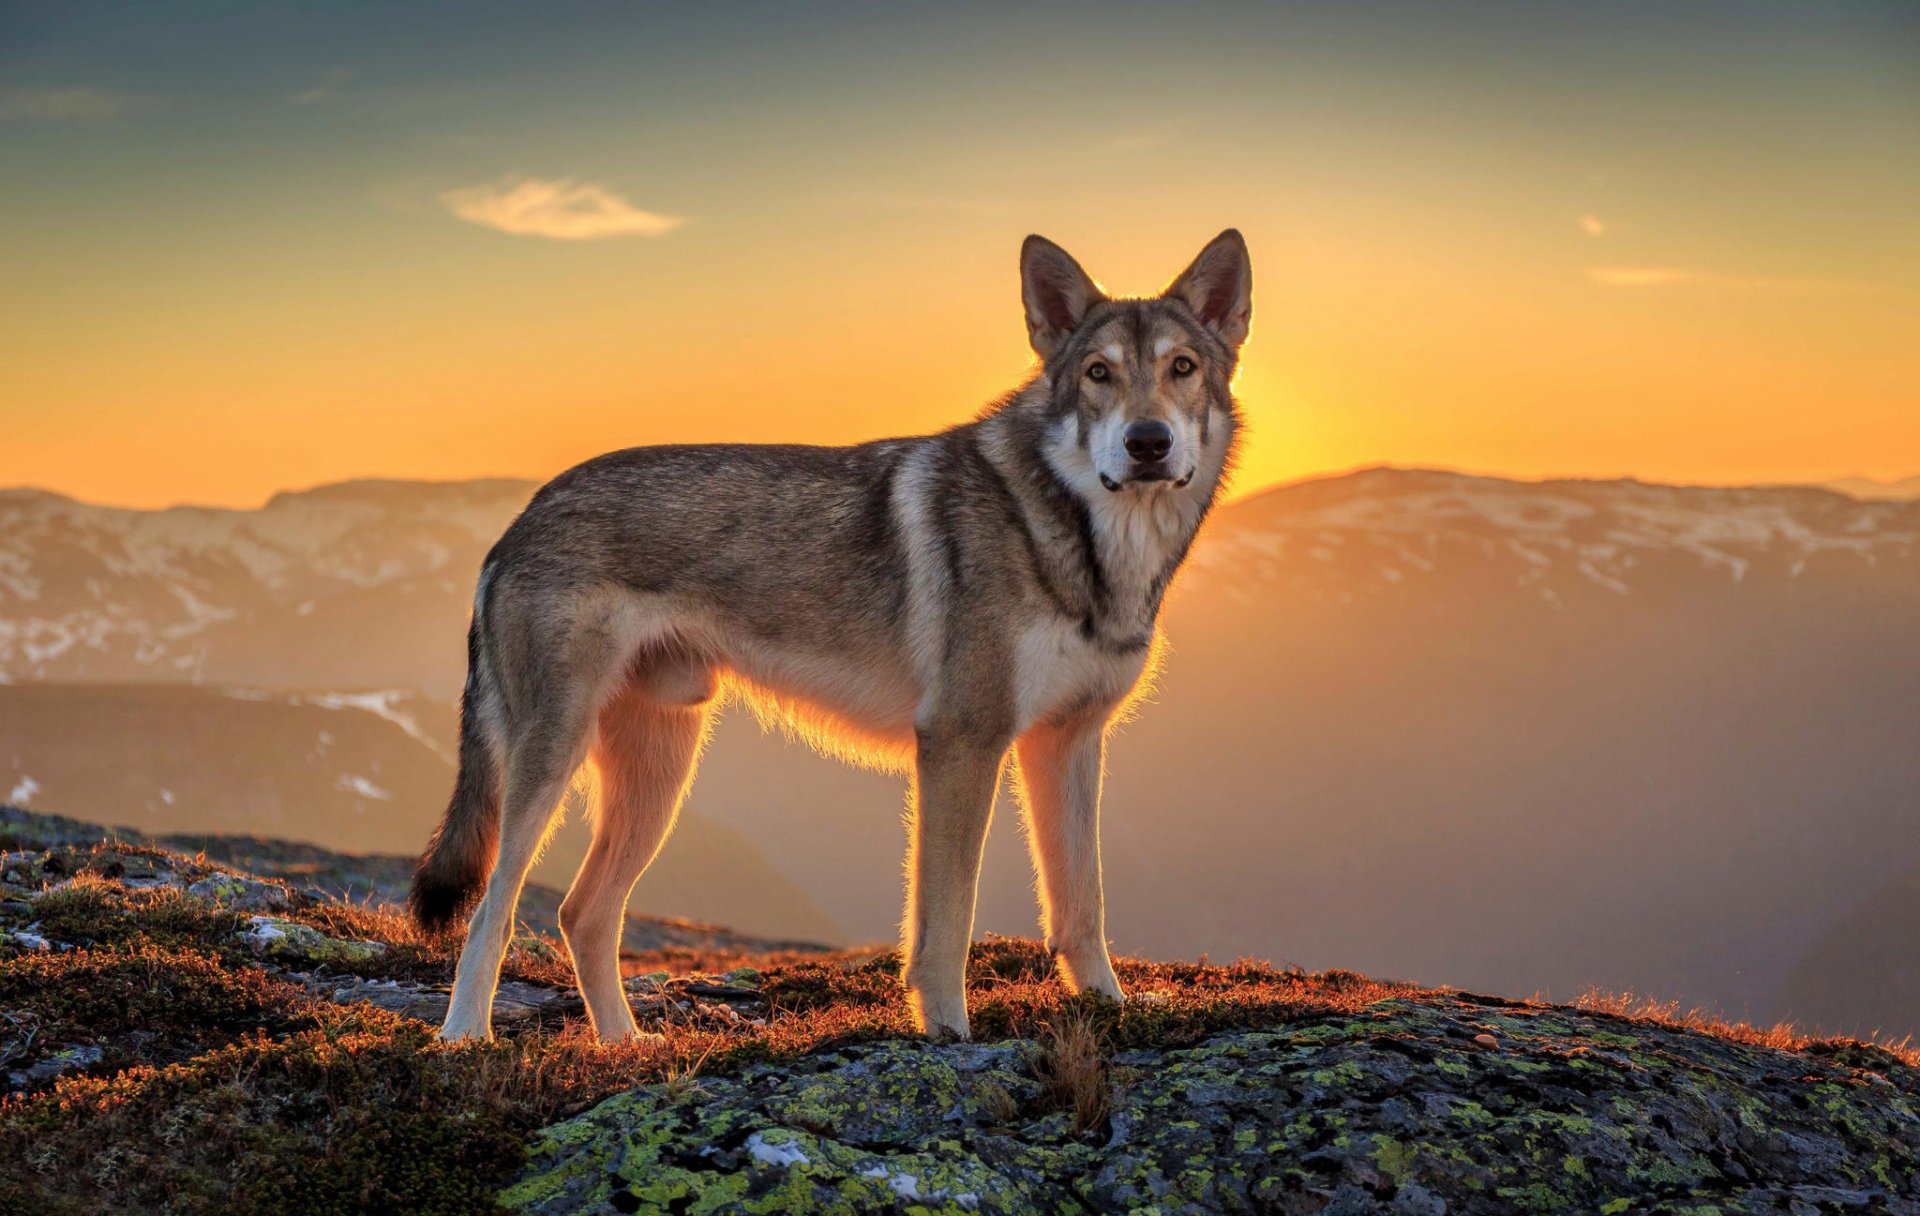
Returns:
<point x="1056" y="291"/>
<point x="1218" y="287"/>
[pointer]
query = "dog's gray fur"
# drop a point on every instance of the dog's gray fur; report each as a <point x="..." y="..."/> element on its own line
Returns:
<point x="925" y="604"/>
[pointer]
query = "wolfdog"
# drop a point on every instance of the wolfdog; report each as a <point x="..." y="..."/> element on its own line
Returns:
<point x="926" y="604"/>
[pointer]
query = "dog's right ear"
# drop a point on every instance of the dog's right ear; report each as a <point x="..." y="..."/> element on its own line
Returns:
<point x="1057" y="293"/>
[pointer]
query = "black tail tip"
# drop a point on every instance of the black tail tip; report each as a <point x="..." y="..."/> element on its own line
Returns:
<point x="438" y="905"/>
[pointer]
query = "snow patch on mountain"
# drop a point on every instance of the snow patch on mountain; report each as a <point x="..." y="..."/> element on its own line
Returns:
<point x="1556" y="535"/>
<point x="362" y="788"/>
<point x="107" y="592"/>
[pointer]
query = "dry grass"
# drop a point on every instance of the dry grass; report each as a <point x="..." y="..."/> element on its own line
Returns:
<point x="1782" y="1036"/>
<point x="1076" y="1070"/>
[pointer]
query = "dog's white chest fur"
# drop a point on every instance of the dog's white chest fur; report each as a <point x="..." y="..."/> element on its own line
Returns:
<point x="1060" y="666"/>
<point x="1058" y="669"/>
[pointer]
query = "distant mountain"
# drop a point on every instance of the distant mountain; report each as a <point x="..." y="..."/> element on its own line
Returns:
<point x="1546" y="735"/>
<point x="1860" y="971"/>
<point x="365" y="773"/>
<point x="345" y="586"/>
<point x="1509" y="735"/>
<point x="1900" y="489"/>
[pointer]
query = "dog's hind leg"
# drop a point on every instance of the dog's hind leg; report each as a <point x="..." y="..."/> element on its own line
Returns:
<point x="648" y="744"/>
<point x="1059" y="781"/>
<point x="539" y="766"/>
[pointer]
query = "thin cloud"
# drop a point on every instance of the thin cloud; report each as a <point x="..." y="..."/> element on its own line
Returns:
<point x="1672" y="276"/>
<point x="1592" y="225"/>
<point x="334" y="81"/>
<point x="560" y="209"/>
<point x="79" y="104"/>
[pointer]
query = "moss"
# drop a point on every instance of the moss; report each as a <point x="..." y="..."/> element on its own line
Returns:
<point x="144" y="1005"/>
<point x="360" y="1115"/>
<point x="99" y="912"/>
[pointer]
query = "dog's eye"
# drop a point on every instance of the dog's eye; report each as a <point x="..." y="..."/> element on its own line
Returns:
<point x="1183" y="366"/>
<point x="1097" y="371"/>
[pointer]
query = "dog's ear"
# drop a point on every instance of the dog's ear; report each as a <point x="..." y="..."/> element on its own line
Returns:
<point x="1218" y="287"/>
<point x="1056" y="291"/>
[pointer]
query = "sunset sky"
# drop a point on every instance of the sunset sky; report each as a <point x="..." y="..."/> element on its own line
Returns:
<point x="247" y="248"/>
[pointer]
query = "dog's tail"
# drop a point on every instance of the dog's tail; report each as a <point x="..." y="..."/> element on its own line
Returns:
<point x="460" y="856"/>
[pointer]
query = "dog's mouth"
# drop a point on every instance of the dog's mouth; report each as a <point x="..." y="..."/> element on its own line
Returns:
<point x="1147" y="475"/>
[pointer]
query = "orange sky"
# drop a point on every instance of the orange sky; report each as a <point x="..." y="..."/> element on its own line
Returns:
<point x="1533" y="248"/>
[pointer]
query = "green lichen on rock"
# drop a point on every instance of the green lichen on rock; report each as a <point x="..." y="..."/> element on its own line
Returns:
<point x="1401" y="1109"/>
<point x="243" y="893"/>
<point x="288" y="941"/>
<point x="889" y="1125"/>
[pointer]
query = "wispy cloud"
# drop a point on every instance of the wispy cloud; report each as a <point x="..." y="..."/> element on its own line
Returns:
<point x="78" y="104"/>
<point x="1672" y="276"/>
<point x="1592" y="225"/>
<point x="329" y="85"/>
<point x="561" y="209"/>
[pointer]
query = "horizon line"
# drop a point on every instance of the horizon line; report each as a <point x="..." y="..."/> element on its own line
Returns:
<point x="1235" y="495"/>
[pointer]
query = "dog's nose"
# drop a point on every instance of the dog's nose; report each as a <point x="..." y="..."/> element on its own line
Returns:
<point x="1149" y="439"/>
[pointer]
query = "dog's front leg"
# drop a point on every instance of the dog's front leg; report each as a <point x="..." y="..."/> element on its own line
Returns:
<point x="1060" y="770"/>
<point x="955" y="779"/>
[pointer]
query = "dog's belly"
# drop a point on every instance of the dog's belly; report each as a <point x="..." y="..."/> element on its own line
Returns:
<point x="857" y="707"/>
<point x="1060" y="672"/>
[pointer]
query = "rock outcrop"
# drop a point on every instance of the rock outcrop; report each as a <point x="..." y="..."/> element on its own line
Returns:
<point x="1416" y="1106"/>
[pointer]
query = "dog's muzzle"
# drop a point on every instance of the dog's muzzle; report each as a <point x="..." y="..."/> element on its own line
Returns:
<point x="1148" y="442"/>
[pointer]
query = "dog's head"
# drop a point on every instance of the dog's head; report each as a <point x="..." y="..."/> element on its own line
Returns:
<point x="1140" y="388"/>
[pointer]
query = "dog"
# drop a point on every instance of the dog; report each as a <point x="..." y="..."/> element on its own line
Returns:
<point x="927" y="604"/>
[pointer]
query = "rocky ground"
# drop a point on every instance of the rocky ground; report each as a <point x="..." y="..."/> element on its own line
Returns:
<point x="177" y="1035"/>
<point x="1416" y="1105"/>
<point x="369" y="878"/>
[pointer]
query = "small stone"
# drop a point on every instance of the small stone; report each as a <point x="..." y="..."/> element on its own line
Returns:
<point x="290" y="941"/>
<point x="242" y="894"/>
<point x="60" y="1062"/>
